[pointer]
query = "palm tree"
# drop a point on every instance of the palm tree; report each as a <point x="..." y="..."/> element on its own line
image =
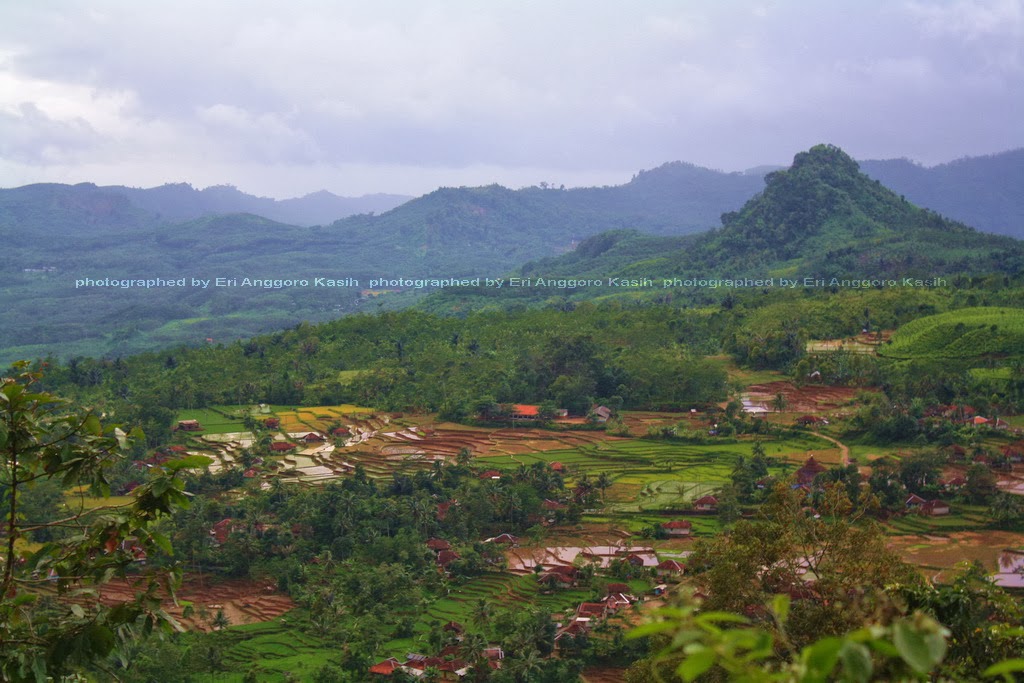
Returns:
<point x="482" y="613"/>
<point x="604" y="480"/>
<point x="527" y="666"/>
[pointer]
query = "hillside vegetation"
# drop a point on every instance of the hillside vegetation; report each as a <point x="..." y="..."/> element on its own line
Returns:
<point x="970" y="333"/>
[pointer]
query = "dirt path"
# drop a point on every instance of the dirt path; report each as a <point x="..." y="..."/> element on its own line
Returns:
<point x="844" y="450"/>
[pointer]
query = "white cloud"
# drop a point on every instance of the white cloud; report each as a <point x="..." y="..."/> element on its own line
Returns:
<point x="583" y="89"/>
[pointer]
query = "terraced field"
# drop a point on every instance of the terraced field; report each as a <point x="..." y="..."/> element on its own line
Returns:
<point x="965" y="333"/>
<point x="274" y="650"/>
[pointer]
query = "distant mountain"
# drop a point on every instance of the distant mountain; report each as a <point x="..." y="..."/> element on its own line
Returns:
<point x="984" y="192"/>
<point x="182" y="202"/>
<point x="820" y="218"/>
<point x="55" y="235"/>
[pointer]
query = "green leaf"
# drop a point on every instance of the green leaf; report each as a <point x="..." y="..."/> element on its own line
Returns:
<point x="922" y="651"/>
<point x="23" y="599"/>
<point x="92" y="425"/>
<point x="188" y="463"/>
<point x="1007" y="666"/>
<point x="101" y="639"/>
<point x="856" y="660"/>
<point x="77" y="610"/>
<point x="780" y="606"/>
<point x="725" y="617"/>
<point x="650" y="629"/>
<point x="821" y="657"/>
<point x="696" y="663"/>
<point x="162" y="542"/>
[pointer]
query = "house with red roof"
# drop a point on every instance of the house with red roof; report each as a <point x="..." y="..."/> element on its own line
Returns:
<point x="438" y="544"/>
<point x="914" y="501"/>
<point x="669" y="568"/>
<point x="221" y="530"/>
<point x="678" y="527"/>
<point x="504" y="539"/>
<point x="446" y="557"/>
<point x="281" y="446"/>
<point x="387" y="667"/>
<point x="809" y="471"/>
<point x="443" y="508"/>
<point x="934" y="508"/>
<point x="522" y="411"/>
<point x="272" y="423"/>
<point x="705" y="504"/>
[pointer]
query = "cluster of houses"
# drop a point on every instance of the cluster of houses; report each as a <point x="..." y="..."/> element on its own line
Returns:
<point x="450" y="662"/>
<point x="967" y="415"/>
<point x="618" y="596"/>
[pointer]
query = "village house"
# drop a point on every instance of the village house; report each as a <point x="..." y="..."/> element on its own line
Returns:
<point x="559" y="576"/>
<point x="189" y="426"/>
<point x="387" y="667"/>
<point x="591" y="611"/>
<point x="705" y="504"/>
<point x="313" y="437"/>
<point x="446" y="557"/>
<point x="521" y="411"/>
<point x="281" y="446"/>
<point x="914" y="501"/>
<point x="809" y="471"/>
<point x="444" y="508"/>
<point x="669" y="568"/>
<point x="635" y="560"/>
<point x="934" y="508"/>
<point x="504" y="539"/>
<point x="574" y="630"/>
<point x="438" y="544"/>
<point x="221" y="530"/>
<point x="457" y="630"/>
<point x="678" y="527"/>
<point x="272" y="423"/>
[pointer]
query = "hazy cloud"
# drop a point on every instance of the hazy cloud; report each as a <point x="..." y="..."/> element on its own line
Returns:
<point x="404" y="96"/>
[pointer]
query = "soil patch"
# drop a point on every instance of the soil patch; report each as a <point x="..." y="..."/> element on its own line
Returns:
<point x="938" y="555"/>
<point x="242" y="601"/>
<point x="811" y="398"/>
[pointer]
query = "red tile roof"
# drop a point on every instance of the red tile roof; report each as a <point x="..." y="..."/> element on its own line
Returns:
<point x="527" y="410"/>
<point x="677" y="524"/>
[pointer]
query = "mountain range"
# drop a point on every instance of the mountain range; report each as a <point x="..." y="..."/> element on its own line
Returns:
<point x="819" y="214"/>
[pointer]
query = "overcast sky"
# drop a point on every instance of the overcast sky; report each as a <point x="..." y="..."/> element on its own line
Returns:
<point x="282" y="99"/>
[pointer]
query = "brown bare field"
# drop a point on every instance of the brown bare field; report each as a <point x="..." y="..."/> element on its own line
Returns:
<point x="243" y="601"/>
<point x="603" y="674"/>
<point x="806" y="399"/>
<point x="938" y="555"/>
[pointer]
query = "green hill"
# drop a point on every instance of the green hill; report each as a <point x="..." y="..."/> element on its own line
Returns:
<point x="820" y="219"/>
<point x="55" y="235"/>
<point x="965" y="334"/>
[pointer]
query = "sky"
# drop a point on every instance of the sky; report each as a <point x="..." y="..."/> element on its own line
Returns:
<point x="403" y="96"/>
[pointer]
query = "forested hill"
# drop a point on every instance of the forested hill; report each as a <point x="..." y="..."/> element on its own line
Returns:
<point x="984" y="192"/>
<point x="821" y="218"/>
<point x="56" y="235"/>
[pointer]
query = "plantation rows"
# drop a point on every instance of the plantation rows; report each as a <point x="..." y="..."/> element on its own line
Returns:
<point x="965" y="333"/>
